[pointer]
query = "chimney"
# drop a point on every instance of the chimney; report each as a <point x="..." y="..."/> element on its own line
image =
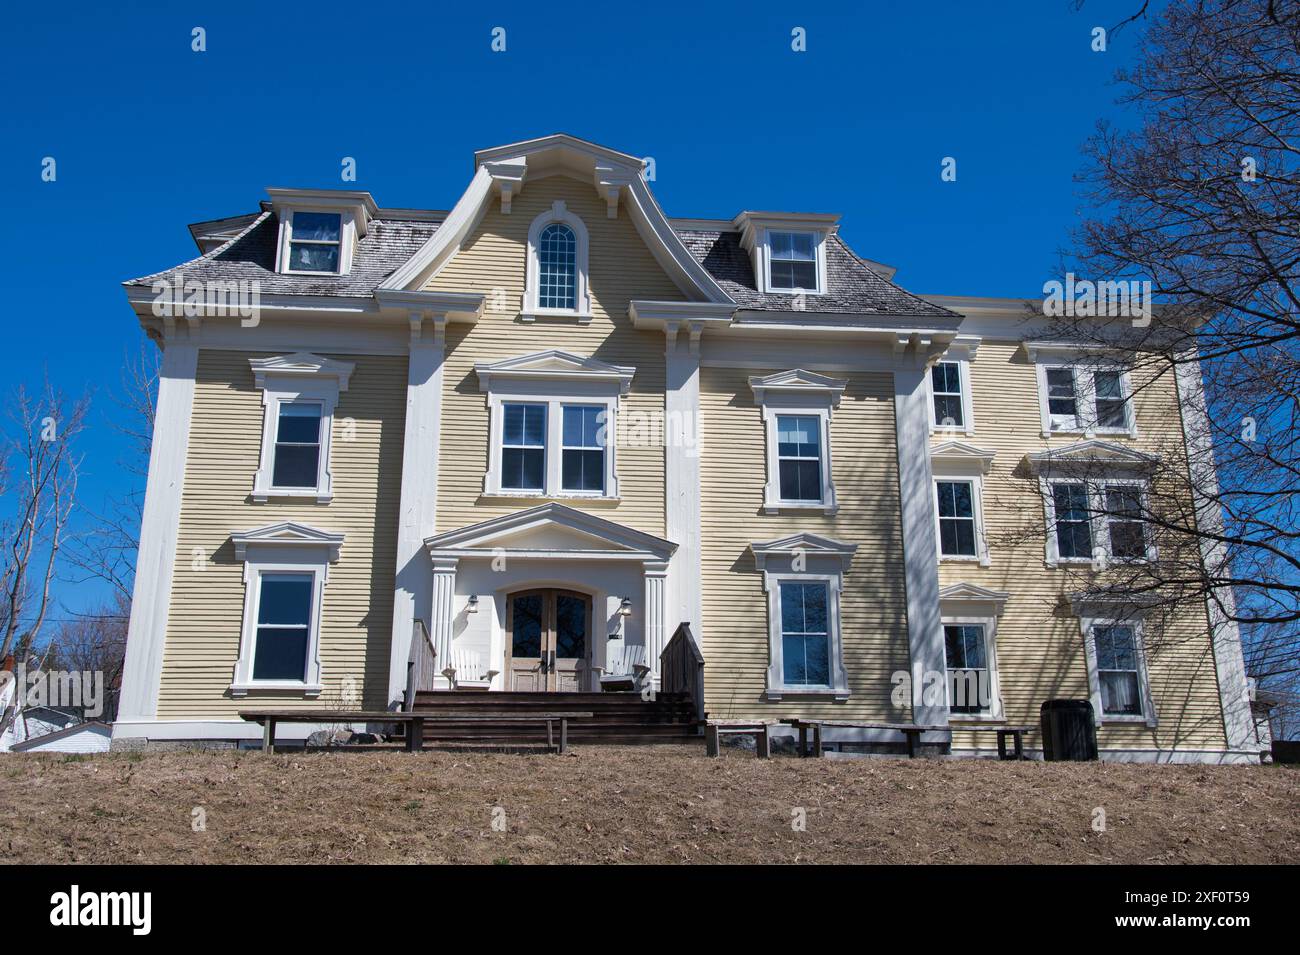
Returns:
<point x="8" y="665"/>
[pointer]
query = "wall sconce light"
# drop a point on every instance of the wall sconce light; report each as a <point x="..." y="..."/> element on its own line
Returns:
<point x="472" y="606"/>
<point x="625" y="608"/>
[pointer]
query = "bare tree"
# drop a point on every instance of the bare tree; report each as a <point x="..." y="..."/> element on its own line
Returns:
<point x="1202" y="199"/>
<point x="41" y="467"/>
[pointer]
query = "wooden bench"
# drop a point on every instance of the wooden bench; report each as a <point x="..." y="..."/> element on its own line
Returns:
<point x="1017" y="734"/>
<point x="714" y="730"/>
<point x="414" y="720"/>
<point x="912" y="731"/>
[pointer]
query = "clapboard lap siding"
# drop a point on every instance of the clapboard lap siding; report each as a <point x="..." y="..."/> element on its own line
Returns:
<point x="873" y="603"/>
<point x="1040" y="647"/>
<point x="203" y="629"/>
<point x="493" y="262"/>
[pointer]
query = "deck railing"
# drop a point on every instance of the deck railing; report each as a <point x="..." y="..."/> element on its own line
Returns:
<point x="420" y="667"/>
<point x="681" y="668"/>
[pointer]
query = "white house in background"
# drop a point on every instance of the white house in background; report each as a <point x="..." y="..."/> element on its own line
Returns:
<point x="92" y="737"/>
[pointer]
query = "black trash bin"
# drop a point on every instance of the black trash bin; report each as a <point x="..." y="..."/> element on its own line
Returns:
<point x="1069" y="732"/>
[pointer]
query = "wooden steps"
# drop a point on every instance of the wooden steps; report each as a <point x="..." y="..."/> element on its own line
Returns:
<point x="617" y="718"/>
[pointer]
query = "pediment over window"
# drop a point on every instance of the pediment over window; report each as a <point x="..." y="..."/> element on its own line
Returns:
<point x="286" y="534"/>
<point x="957" y="597"/>
<point x="805" y="544"/>
<point x="796" y="381"/>
<point x="301" y="364"/>
<point x="1091" y="454"/>
<point x="550" y="531"/>
<point x="958" y="457"/>
<point x="554" y="365"/>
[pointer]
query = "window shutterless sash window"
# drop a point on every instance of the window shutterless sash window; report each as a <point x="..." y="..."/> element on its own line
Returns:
<point x="805" y="634"/>
<point x="297" y="445"/>
<point x="1117" y="670"/>
<point x="523" y="447"/>
<point x="792" y="260"/>
<point x="283" y="626"/>
<point x="1073" y="530"/>
<point x="1062" y="398"/>
<point x="970" y="687"/>
<point x="1111" y="404"/>
<point x="956" y="518"/>
<point x="1124" y="524"/>
<point x="316" y="241"/>
<point x="799" y="457"/>
<point x="557" y="267"/>
<point x="583" y="452"/>
<point x="945" y="382"/>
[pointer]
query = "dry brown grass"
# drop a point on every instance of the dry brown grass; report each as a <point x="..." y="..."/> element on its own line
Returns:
<point x="643" y="805"/>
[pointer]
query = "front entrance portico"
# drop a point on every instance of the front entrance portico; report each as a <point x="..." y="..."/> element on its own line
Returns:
<point x="555" y="577"/>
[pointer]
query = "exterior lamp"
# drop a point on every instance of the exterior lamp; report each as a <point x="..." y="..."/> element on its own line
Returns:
<point x="472" y="606"/>
<point x="625" y="608"/>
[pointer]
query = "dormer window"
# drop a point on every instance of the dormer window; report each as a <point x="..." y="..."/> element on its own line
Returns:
<point x="555" y="283"/>
<point x="315" y="242"/>
<point x="792" y="261"/>
<point x="557" y="266"/>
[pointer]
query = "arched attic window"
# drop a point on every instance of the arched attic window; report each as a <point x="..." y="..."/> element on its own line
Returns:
<point x="556" y="280"/>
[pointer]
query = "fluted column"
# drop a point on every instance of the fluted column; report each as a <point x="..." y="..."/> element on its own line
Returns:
<point x="656" y="613"/>
<point x="442" y="615"/>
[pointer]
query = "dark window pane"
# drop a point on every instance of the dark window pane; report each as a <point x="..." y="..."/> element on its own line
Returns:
<point x="523" y="468"/>
<point x="281" y="653"/>
<point x="1127" y="540"/>
<point x="526" y="627"/>
<point x="309" y="257"/>
<point x="1060" y="392"/>
<point x="805" y="660"/>
<point x="285" y="598"/>
<point x="946" y="377"/>
<point x="299" y="423"/>
<point x="557" y="262"/>
<point x="955" y="499"/>
<point x="794" y="275"/>
<point x="296" y="465"/>
<point x="947" y="411"/>
<point x="1111" y="414"/>
<point x="583" y="470"/>
<point x="957" y="537"/>
<point x="1119" y="694"/>
<point x="524" y="425"/>
<point x="570" y="627"/>
<point x="798" y="436"/>
<point x="801" y="480"/>
<point x="321" y="226"/>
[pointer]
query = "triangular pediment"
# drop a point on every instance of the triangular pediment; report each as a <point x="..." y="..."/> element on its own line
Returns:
<point x="286" y="534"/>
<point x="550" y="531"/>
<point x="797" y="380"/>
<point x="1090" y="454"/>
<point x="972" y="593"/>
<point x="301" y="364"/>
<point x="953" y="457"/>
<point x="802" y="544"/>
<point x="557" y="365"/>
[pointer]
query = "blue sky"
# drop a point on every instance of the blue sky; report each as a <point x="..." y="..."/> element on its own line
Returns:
<point x="149" y="136"/>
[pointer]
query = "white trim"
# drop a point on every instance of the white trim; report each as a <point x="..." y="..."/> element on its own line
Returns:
<point x="755" y="237"/>
<point x="301" y="377"/>
<point x="916" y="509"/>
<point x="981" y="555"/>
<point x="989" y="626"/>
<point x="479" y="540"/>
<point x="1133" y="620"/>
<point x="683" y="440"/>
<point x="1084" y="457"/>
<point x="1225" y="636"/>
<point x="282" y="548"/>
<point x="802" y="393"/>
<point x="558" y="213"/>
<point x="1098" y="519"/>
<point x="967" y="404"/>
<point x="159" y="528"/>
<point x="1084" y="423"/>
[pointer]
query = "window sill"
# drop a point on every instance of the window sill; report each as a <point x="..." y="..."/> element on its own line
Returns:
<point x="523" y="497"/>
<point x="784" y="506"/>
<point x="533" y="314"/>
<point x="276" y="686"/>
<point x="1090" y="432"/>
<point x="965" y="559"/>
<point x="304" y="272"/>
<point x="805" y="693"/>
<point x="983" y="719"/>
<point x="816" y="293"/>
<point x="262" y="495"/>
<point x="1127" y="721"/>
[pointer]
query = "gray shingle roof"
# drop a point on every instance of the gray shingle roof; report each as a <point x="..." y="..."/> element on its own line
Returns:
<point x="250" y="256"/>
<point x="852" y="286"/>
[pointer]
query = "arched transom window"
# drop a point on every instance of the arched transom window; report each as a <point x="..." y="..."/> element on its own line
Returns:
<point x="557" y="267"/>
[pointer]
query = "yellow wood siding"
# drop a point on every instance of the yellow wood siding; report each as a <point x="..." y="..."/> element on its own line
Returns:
<point x="1040" y="647"/>
<point x="493" y="261"/>
<point x="207" y="601"/>
<point x="734" y="627"/>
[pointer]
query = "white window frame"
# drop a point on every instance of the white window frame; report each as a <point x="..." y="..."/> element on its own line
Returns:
<point x="558" y="212"/>
<point x="282" y="548"/>
<point x="1087" y="624"/>
<point x="1085" y="419"/>
<point x="967" y="407"/>
<point x="989" y="624"/>
<point x="976" y="481"/>
<point x="1098" y="519"/>
<point x="301" y="377"/>
<point x="819" y="253"/>
<point x="804" y="394"/>
<point x="554" y="474"/>
<point x="804" y="558"/>
<point x="607" y="425"/>
<point x="502" y="447"/>
<point x="347" y="240"/>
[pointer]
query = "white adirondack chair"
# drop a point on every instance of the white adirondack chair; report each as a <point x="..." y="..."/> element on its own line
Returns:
<point x="467" y="671"/>
<point x="624" y="665"/>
